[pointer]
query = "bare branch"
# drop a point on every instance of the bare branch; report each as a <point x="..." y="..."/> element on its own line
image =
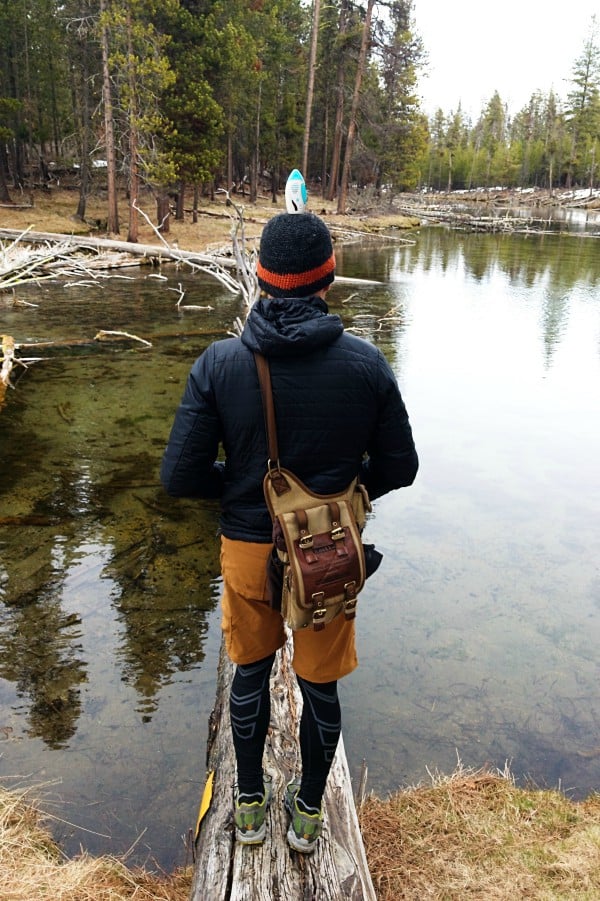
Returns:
<point x="103" y="334"/>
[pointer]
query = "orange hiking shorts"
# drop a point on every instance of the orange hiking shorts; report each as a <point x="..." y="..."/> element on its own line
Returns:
<point x="254" y="630"/>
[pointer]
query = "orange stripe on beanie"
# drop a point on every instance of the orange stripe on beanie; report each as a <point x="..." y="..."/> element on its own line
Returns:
<point x="296" y="256"/>
<point x="291" y="281"/>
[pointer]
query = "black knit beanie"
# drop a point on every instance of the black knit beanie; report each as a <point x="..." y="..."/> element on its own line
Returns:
<point x="296" y="256"/>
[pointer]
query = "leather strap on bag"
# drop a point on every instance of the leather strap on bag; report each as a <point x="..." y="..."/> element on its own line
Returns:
<point x="266" y="391"/>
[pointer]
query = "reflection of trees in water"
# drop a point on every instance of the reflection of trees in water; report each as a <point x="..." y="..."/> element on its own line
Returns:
<point x="555" y="315"/>
<point x="561" y="260"/>
<point x="557" y="263"/>
<point x="164" y="563"/>
<point x="86" y="463"/>
<point x="165" y="574"/>
<point x="374" y="313"/>
<point x="39" y="642"/>
<point x="80" y="450"/>
<point x="39" y="654"/>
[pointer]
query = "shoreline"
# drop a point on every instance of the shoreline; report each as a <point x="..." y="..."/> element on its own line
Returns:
<point x="473" y="833"/>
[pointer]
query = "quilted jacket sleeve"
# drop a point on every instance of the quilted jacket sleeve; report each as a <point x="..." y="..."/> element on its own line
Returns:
<point x="189" y="466"/>
<point x="391" y="461"/>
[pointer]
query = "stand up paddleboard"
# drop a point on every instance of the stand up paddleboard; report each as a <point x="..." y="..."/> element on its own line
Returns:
<point x="296" y="196"/>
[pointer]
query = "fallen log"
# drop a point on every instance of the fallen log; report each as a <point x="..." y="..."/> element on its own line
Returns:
<point x="16" y="206"/>
<point x="152" y="251"/>
<point x="9" y="349"/>
<point x="227" y="871"/>
<point x="103" y="337"/>
<point x="148" y="251"/>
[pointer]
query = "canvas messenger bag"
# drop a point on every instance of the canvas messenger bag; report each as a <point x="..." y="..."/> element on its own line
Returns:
<point x="318" y="562"/>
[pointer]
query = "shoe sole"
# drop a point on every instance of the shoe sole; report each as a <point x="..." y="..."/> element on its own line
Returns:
<point x="256" y="838"/>
<point x="292" y="839"/>
<point x="295" y="843"/>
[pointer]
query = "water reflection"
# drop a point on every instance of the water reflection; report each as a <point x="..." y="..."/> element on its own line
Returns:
<point x="490" y="613"/>
<point x="39" y="653"/>
<point x="90" y="487"/>
<point x="478" y="634"/>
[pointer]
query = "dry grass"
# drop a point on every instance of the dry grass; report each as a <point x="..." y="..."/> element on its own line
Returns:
<point x="476" y="835"/>
<point x="470" y="835"/>
<point x="54" y="212"/>
<point x="33" y="869"/>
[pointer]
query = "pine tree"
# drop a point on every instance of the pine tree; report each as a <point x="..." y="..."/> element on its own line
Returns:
<point x="141" y="71"/>
<point x="582" y="110"/>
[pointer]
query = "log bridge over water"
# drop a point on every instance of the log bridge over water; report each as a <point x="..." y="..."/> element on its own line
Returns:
<point x="227" y="871"/>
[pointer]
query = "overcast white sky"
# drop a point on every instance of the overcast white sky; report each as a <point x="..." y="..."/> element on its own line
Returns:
<point x="513" y="46"/>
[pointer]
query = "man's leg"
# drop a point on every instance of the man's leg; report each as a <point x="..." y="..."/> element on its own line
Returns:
<point x="320" y="660"/>
<point x="253" y="632"/>
<point x="250" y="711"/>
<point x="320" y="728"/>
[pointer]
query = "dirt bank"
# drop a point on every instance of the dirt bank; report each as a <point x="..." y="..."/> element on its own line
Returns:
<point x="53" y="211"/>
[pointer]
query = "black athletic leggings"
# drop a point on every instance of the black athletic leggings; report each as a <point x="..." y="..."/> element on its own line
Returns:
<point x="250" y="711"/>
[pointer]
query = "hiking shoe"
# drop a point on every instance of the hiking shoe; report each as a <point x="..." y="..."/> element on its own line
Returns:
<point x="249" y="816"/>
<point x="305" y="828"/>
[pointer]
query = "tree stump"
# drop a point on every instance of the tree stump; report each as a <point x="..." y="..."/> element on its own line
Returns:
<point x="228" y="871"/>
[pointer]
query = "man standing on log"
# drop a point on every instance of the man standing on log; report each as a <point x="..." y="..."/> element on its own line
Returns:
<point x="339" y="414"/>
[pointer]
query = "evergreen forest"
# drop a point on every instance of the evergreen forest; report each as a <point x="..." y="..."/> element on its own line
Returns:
<point x="176" y="96"/>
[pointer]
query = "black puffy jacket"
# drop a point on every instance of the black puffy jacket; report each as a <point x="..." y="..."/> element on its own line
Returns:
<point x="338" y="408"/>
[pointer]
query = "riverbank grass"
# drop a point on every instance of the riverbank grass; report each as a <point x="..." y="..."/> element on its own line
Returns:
<point x="473" y="835"/>
<point x="476" y="835"/>
<point x="32" y="867"/>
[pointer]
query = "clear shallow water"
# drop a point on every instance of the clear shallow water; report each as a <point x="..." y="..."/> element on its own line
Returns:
<point x="478" y="636"/>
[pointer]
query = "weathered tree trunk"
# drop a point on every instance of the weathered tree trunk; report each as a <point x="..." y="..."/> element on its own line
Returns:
<point x="180" y="205"/>
<point x="134" y="176"/>
<point x="163" y="212"/>
<point x="4" y="194"/>
<point x="255" y="162"/>
<point x="228" y="871"/>
<point x="362" y="62"/>
<point x="153" y="251"/>
<point x="83" y="85"/>
<point x="338" y="131"/>
<point x="312" y="68"/>
<point x="112" y="225"/>
<point x="229" y="159"/>
<point x="274" y="183"/>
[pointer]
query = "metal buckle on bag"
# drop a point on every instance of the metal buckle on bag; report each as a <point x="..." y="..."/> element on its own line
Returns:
<point x="305" y="541"/>
<point x="337" y="531"/>
<point x="318" y="617"/>
<point x="350" y="608"/>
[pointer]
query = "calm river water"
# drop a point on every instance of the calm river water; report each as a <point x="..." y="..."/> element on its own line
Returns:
<point x="479" y="635"/>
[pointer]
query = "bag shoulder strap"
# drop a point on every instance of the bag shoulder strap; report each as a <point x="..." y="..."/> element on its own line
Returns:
<point x="274" y="476"/>
<point x="266" y="391"/>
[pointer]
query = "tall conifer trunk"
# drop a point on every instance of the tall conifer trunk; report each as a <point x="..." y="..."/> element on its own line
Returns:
<point x="362" y="61"/>
<point x="134" y="178"/>
<point x="84" y="170"/>
<point x="112" y="223"/>
<point x="338" y="129"/>
<point x="312" y="66"/>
